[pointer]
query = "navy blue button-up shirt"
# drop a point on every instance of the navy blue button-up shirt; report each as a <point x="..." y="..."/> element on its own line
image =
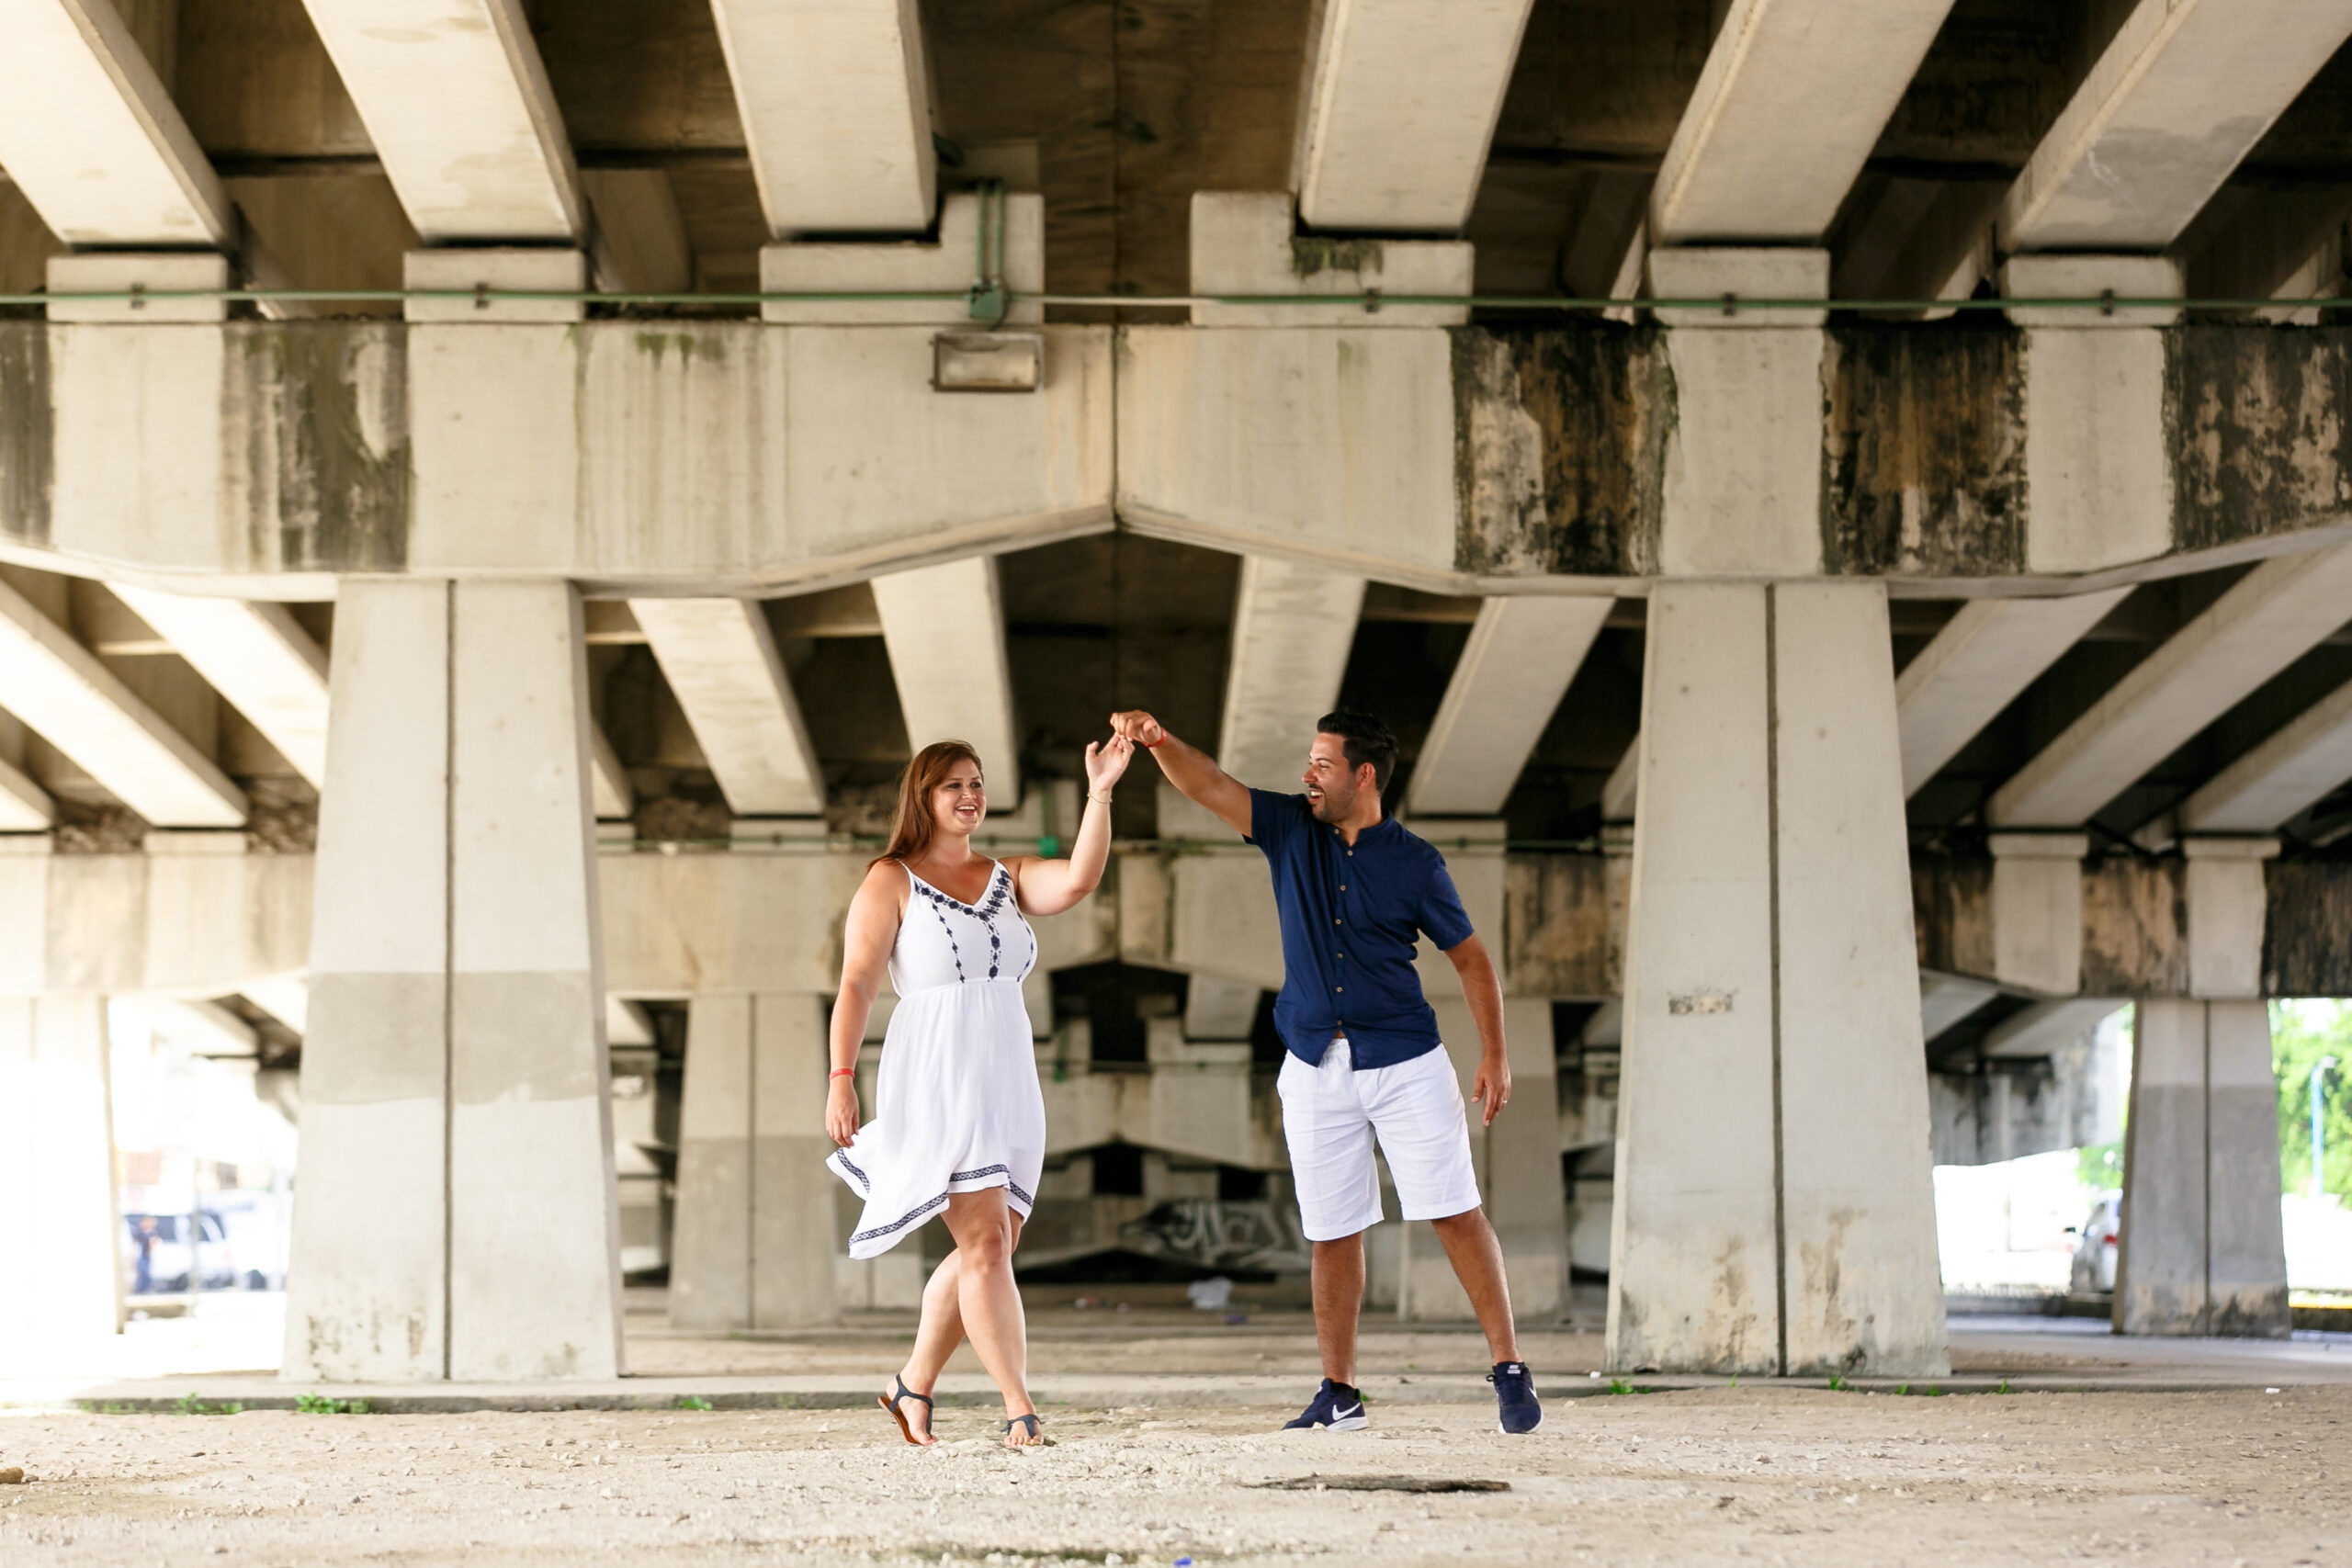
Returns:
<point x="1349" y="916"/>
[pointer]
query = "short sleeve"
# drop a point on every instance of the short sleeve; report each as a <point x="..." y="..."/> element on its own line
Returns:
<point x="1441" y="914"/>
<point x="1273" y="819"/>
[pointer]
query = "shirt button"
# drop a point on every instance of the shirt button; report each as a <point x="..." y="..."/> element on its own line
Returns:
<point x="1338" y="987"/>
<point x="1343" y="887"/>
<point x="1338" y="922"/>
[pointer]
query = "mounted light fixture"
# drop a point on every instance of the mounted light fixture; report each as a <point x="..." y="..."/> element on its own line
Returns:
<point x="988" y="362"/>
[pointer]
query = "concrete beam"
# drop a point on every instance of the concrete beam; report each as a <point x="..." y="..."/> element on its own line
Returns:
<point x="835" y="99"/>
<point x="2269" y="619"/>
<point x="258" y="657"/>
<point x="90" y="136"/>
<point x="286" y="998"/>
<point x="62" y="690"/>
<point x="944" y="628"/>
<point x="720" y="660"/>
<point x="625" y="1023"/>
<point x="456" y="101"/>
<point x="1400" y="109"/>
<point x="2046" y="1027"/>
<point x="639" y="245"/>
<point x="2179" y="96"/>
<point x="1793" y="97"/>
<point x="1293" y="628"/>
<point x="205" y="1027"/>
<point x="1945" y="999"/>
<point x="1521" y="655"/>
<point x="2273" y="783"/>
<point x="1986" y="655"/>
<point x="607" y="780"/>
<point x="25" y="806"/>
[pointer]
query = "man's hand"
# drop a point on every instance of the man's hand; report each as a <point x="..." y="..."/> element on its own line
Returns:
<point x="1139" y="726"/>
<point x="1491" y="1088"/>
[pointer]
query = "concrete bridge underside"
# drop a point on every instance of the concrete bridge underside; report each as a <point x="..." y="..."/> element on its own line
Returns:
<point x="1907" y="626"/>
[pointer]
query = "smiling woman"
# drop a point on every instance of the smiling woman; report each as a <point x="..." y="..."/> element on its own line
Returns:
<point x="960" y="1123"/>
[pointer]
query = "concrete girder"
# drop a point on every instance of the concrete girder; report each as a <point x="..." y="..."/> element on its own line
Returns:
<point x="943" y="626"/>
<point x="456" y="101"/>
<point x="204" y="1027"/>
<point x="614" y="797"/>
<point x="286" y="998"/>
<point x="2045" y="1026"/>
<point x="1986" y="654"/>
<point x="2179" y="96"/>
<point x="62" y="690"/>
<point x="626" y="1022"/>
<point x="1293" y="628"/>
<point x="258" y="657"/>
<point x="1945" y="999"/>
<point x="835" y="99"/>
<point x="2295" y="767"/>
<point x="1793" y="97"/>
<point x="25" y="806"/>
<point x="639" y="243"/>
<point x="89" y="134"/>
<point x="720" y="660"/>
<point x="2269" y="618"/>
<point x="1521" y="655"/>
<point x="1400" y="111"/>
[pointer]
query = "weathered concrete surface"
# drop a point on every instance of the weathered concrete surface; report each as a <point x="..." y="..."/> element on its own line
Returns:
<point x="2203" y="1251"/>
<point x="753" y="1244"/>
<point x="455" y="1082"/>
<point x="701" y="453"/>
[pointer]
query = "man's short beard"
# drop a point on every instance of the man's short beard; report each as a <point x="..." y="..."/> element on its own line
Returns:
<point x="1329" y="807"/>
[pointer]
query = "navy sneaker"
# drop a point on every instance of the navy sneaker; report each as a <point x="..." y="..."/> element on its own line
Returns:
<point x="1515" y="1397"/>
<point x="1335" y="1408"/>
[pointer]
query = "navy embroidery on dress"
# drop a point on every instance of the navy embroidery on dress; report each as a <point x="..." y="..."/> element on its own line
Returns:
<point x="863" y="1179"/>
<point x="920" y="1210"/>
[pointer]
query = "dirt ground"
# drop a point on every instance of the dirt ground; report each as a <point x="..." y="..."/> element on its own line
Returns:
<point x="1740" y="1475"/>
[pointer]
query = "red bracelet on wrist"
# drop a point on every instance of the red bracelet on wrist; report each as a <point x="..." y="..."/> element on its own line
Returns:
<point x="841" y="1073"/>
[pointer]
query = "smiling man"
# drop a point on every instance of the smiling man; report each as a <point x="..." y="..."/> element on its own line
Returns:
<point x="1363" y="1059"/>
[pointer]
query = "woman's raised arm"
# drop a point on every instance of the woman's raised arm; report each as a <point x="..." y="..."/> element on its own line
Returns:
<point x="1049" y="886"/>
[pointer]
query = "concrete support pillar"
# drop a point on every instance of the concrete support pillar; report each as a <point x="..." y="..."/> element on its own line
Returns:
<point x="456" y="1215"/>
<point x="2203" y="1250"/>
<point x="1517" y="1158"/>
<point x="61" y="1228"/>
<point x="754" y="1242"/>
<point x="1773" y="1209"/>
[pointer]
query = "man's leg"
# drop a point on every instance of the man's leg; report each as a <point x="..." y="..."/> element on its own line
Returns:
<point x="1477" y="1259"/>
<point x="1339" y="1303"/>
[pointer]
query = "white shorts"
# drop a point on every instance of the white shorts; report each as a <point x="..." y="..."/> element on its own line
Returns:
<point x="1332" y="1113"/>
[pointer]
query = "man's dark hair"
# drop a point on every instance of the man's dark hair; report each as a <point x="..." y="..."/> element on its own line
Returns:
<point x="1367" y="738"/>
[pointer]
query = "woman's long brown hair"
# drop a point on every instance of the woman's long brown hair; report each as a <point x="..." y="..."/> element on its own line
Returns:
<point x="911" y="832"/>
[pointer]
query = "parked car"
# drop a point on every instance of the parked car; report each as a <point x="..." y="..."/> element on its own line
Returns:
<point x="2095" y="1247"/>
<point x="165" y="1238"/>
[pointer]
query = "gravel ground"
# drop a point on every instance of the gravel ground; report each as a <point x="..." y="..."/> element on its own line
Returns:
<point x="1764" y="1475"/>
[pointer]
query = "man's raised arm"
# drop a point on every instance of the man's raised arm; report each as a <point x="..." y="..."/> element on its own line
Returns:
<point x="1194" y="773"/>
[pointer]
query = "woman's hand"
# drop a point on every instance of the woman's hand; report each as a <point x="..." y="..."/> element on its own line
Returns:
<point x="1105" y="762"/>
<point x="840" y="1110"/>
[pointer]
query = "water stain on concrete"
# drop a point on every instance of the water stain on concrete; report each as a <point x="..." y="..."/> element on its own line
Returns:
<point x="2259" y="420"/>
<point x="1560" y="448"/>
<point x="315" y="427"/>
<point x="1922" y="448"/>
<point x="28" y="432"/>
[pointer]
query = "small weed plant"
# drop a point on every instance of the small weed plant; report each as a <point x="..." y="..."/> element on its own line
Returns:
<point x="322" y="1405"/>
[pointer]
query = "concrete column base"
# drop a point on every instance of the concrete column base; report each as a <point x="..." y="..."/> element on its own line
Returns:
<point x="456" y="1213"/>
<point x="1773" y="1212"/>
<point x="2203" y="1249"/>
<point x="61" y="1229"/>
<point x="753" y="1244"/>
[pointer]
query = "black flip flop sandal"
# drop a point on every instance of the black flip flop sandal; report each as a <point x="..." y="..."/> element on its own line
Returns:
<point x="890" y="1401"/>
<point x="1036" y="1437"/>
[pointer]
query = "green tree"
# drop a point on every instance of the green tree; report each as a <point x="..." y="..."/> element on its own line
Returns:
<point x="2300" y="1034"/>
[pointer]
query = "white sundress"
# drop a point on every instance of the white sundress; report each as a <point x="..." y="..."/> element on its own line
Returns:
<point x="956" y="1106"/>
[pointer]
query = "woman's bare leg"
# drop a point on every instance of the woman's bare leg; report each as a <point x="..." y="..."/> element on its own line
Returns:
<point x="985" y="1230"/>
<point x="936" y="1337"/>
